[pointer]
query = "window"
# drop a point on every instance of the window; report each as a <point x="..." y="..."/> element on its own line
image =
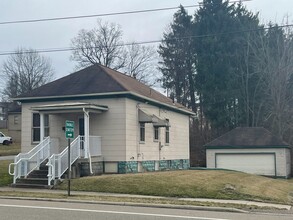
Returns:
<point x="142" y="132"/>
<point x="167" y="136"/>
<point x="36" y="127"/>
<point x="156" y="133"/>
<point x="16" y="120"/>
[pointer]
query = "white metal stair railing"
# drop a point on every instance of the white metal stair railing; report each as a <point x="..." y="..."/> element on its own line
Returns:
<point x="25" y="163"/>
<point x="58" y="163"/>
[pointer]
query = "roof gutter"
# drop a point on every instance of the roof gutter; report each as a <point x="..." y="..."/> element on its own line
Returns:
<point x="25" y="99"/>
<point x="67" y="96"/>
<point x="164" y="104"/>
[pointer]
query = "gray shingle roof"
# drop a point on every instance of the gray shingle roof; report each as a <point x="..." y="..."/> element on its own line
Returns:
<point x="247" y="137"/>
<point x="97" y="79"/>
<point x="86" y="81"/>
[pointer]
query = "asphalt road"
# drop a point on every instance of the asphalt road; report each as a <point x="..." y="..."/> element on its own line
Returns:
<point x="36" y="210"/>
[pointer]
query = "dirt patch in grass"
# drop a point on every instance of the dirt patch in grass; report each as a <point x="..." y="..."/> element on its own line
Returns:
<point x="192" y="184"/>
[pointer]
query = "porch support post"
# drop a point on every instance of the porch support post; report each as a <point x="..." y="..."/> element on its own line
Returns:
<point x="86" y="133"/>
<point x="42" y="126"/>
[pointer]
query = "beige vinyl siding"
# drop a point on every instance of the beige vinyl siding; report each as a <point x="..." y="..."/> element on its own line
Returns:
<point x="288" y="161"/>
<point x="26" y="128"/>
<point x="178" y="148"/>
<point x="110" y="125"/>
<point x="132" y="131"/>
<point x="119" y="129"/>
<point x="56" y="123"/>
<point x="14" y="126"/>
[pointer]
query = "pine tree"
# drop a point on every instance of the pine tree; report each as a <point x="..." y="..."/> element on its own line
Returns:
<point x="178" y="60"/>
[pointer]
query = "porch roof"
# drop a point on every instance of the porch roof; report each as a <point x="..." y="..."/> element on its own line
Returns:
<point x="70" y="107"/>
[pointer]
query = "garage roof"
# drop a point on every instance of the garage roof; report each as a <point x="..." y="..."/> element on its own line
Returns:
<point x="247" y="137"/>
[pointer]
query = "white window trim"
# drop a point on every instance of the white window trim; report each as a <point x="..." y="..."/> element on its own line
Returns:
<point x="140" y="136"/>
<point x="167" y="143"/>
<point x="39" y="127"/>
<point x="156" y="140"/>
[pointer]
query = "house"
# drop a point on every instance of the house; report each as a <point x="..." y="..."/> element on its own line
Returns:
<point x="250" y="149"/>
<point x="120" y="124"/>
<point x="3" y="118"/>
<point x="5" y="107"/>
<point x="14" y="124"/>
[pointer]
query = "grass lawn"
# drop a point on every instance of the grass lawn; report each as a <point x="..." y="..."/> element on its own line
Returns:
<point x="191" y="183"/>
<point x="5" y="178"/>
<point x="12" y="149"/>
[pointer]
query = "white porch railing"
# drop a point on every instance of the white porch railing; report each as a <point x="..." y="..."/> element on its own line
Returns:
<point x="58" y="163"/>
<point x="25" y="163"/>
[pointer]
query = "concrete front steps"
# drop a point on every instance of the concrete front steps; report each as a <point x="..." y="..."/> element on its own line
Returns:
<point x="37" y="179"/>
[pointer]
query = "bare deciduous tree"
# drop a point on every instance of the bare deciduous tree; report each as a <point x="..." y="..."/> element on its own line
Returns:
<point x="141" y="63"/>
<point x="101" y="45"/>
<point x="278" y="71"/>
<point x="104" y="45"/>
<point x="266" y="75"/>
<point x="24" y="71"/>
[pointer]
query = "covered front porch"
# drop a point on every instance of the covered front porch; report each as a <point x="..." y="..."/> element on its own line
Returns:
<point x="86" y="144"/>
<point x="83" y="114"/>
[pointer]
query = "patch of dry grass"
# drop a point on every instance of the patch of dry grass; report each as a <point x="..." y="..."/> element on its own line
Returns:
<point x="12" y="149"/>
<point x="5" y="178"/>
<point x="191" y="183"/>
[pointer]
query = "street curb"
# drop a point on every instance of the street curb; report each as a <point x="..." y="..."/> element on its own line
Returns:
<point x="186" y="207"/>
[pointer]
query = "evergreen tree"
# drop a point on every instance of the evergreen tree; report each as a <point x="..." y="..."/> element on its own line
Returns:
<point x="219" y="48"/>
<point x="178" y="60"/>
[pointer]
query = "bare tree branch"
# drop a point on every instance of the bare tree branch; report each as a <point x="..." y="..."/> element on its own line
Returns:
<point x="100" y="45"/>
<point x="25" y="71"/>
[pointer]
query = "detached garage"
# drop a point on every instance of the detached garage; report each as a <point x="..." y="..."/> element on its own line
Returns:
<point x="250" y="150"/>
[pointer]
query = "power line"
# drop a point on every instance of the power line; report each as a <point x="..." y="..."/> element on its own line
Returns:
<point x="103" y="15"/>
<point x="65" y="49"/>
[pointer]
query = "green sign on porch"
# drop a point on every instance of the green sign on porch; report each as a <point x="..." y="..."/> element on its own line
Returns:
<point x="69" y="129"/>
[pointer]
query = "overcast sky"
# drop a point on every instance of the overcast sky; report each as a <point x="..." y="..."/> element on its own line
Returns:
<point x="136" y="27"/>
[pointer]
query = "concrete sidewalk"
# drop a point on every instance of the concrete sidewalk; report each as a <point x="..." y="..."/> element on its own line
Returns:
<point x="221" y="201"/>
<point x="7" y="157"/>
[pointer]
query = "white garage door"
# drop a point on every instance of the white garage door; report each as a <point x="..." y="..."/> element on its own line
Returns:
<point x="262" y="164"/>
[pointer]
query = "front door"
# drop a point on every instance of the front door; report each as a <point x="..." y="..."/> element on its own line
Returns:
<point x="81" y="126"/>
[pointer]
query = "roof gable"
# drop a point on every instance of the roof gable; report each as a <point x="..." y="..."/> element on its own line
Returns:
<point x="247" y="137"/>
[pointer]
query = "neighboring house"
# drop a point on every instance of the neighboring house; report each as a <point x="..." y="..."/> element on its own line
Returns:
<point x="14" y="124"/>
<point x="125" y="125"/>
<point x="5" y="107"/>
<point x="250" y="149"/>
<point x="3" y="115"/>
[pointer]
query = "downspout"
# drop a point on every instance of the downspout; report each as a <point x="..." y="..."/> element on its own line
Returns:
<point x="87" y="139"/>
